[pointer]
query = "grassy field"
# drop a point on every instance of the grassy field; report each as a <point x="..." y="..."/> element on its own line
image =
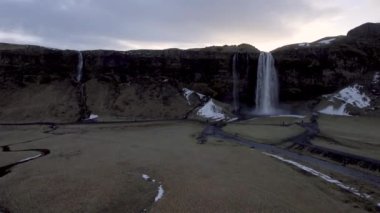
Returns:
<point x="98" y="168"/>
<point x="356" y="135"/>
<point x="266" y="130"/>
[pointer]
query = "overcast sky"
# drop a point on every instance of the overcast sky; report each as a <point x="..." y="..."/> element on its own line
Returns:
<point x="157" y="24"/>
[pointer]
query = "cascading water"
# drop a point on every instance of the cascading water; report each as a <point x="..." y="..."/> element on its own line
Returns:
<point x="267" y="85"/>
<point x="79" y="67"/>
<point x="84" y="113"/>
<point x="235" y="78"/>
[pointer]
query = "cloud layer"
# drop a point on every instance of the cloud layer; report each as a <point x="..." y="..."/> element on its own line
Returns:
<point x="130" y="24"/>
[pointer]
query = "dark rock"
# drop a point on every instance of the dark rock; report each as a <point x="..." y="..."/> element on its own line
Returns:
<point x="308" y="71"/>
<point x="367" y="30"/>
<point x="206" y="70"/>
<point x="35" y="84"/>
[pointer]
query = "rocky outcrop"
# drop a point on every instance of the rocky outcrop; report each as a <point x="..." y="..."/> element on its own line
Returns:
<point x="307" y="71"/>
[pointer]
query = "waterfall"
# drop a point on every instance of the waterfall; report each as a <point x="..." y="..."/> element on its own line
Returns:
<point x="81" y="88"/>
<point x="235" y="77"/>
<point x="79" y="67"/>
<point x="267" y="85"/>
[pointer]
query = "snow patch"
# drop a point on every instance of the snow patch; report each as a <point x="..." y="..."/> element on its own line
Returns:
<point x="211" y="111"/>
<point x="93" y="116"/>
<point x="326" y="41"/>
<point x="188" y="92"/>
<point x="303" y="44"/>
<point x="323" y="176"/>
<point x="353" y="96"/>
<point x="349" y="95"/>
<point x="160" y="194"/>
<point x="30" y="158"/>
<point x="330" y="110"/>
<point x="288" y="116"/>
<point x="145" y="177"/>
<point x="232" y="120"/>
<point x="201" y="96"/>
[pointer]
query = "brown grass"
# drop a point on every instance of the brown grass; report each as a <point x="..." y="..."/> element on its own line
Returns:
<point x="266" y="130"/>
<point x="357" y="135"/>
<point x="99" y="168"/>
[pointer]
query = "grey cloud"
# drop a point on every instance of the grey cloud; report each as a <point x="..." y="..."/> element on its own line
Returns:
<point x="98" y="24"/>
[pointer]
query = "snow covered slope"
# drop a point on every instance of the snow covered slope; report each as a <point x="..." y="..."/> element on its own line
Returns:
<point x="211" y="111"/>
<point x="351" y="96"/>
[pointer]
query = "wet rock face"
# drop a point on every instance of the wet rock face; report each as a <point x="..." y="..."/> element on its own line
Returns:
<point x="308" y="71"/>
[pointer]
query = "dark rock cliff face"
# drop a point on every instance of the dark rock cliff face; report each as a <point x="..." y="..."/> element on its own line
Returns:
<point x="36" y="85"/>
<point x="307" y="71"/>
<point x="141" y="84"/>
<point x="207" y="70"/>
<point x="24" y="64"/>
<point x="149" y="83"/>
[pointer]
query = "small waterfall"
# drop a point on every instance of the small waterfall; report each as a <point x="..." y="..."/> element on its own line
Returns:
<point x="81" y="89"/>
<point x="267" y="85"/>
<point x="79" y="67"/>
<point x="235" y="77"/>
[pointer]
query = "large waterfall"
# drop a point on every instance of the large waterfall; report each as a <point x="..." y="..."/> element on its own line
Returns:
<point x="267" y="85"/>
<point x="235" y="78"/>
<point x="79" y="67"/>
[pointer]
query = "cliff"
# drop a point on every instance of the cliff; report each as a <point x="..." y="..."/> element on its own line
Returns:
<point x="35" y="84"/>
<point x="39" y="84"/>
<point x="308" y="70"/>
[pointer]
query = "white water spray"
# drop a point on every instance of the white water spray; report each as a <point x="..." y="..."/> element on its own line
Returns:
<point x="235" y="78"/>
<point x="79" y="67"/>
<point x="267" y="85"/>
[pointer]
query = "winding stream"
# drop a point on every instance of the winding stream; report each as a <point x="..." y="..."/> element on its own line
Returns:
<point x="4" y="170"/>
<point x="287" y="154"/>
<point x="299" y="160"/>
<point x="271" y="149"/>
